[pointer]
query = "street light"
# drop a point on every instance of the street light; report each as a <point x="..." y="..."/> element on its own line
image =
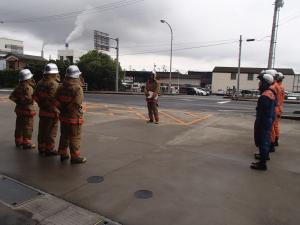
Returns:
<point x="239" y="65"/>
<point x="170" y="77"/>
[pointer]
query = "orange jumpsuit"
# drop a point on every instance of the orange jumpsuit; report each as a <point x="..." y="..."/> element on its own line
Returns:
<point x="279" y="90"/>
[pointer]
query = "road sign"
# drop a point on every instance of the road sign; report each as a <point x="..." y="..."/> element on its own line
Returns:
<point x="101" y="41"/>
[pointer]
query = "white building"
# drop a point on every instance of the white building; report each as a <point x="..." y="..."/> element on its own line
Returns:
<point x="10" y="45"/>
<point x="73" y="55"/>
<point x="224" y="78"/>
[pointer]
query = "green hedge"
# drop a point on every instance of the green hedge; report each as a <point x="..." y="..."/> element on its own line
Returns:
<point x="9" y="78"/>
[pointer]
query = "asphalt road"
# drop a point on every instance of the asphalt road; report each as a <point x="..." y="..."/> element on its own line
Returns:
<point x="187" y="102"/>
<point x="212" y="103"/>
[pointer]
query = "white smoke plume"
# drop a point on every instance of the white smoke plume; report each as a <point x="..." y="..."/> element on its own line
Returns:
<point x="80" y="23"/>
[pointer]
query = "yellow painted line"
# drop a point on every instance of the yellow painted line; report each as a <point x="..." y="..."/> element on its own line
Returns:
<point x="178" y="121"/>
<point x="120" y="110"/>
<point x="199" y="120"/>
<point x="138" y="113"/>
<point x="193" y="114"/>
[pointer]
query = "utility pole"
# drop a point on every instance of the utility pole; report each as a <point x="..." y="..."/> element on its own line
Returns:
<point x="278" y="4"/>
<point x="117" y="65"/>
<point x="239" y="67"/>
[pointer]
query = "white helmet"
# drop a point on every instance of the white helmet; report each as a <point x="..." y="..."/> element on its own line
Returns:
<point x="73" y="71"/>
<point x="271" y="72"/>
<point x="51" y="68"/>
<point x="279" y="76"/>
<point x="154" y="74"/>
<point x="267" y="78"/>
<point x="25" y="75"/>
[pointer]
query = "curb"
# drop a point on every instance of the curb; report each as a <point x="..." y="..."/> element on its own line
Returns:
<point x="255" y="100"/>
<point x="289" y="117"/>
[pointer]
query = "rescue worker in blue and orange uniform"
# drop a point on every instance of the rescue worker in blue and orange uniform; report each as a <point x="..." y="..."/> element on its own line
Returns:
<point x="25" y="111"/>
<point x="70" y="97"/>
<point x="278" y="109"/>
<point x="264" y="119"/>
<point x="44" y="95"/>
<point x="151" y="92"/>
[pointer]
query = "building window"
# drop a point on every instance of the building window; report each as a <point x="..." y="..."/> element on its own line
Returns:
<point x="233" y="76"/>
<point x="250" y="76"/>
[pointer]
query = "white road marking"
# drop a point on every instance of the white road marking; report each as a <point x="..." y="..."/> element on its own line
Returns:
<point x="223" y="102"/>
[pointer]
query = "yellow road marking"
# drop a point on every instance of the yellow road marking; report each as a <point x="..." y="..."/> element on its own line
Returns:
<point x="138" y="113"/>
<point x="199" y="120"/>
<point x="173" y="118"/>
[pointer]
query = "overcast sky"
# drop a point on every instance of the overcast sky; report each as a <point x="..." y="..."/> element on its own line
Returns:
<point x="206" y="33"/>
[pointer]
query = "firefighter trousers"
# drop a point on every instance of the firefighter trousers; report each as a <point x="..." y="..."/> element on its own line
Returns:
<point x="70" y="137"/>
<point x="23" y="130"/>
<point x="47" y="133"/>
<point x="152" y="111"/>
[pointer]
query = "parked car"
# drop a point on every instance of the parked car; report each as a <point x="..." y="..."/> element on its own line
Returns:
<point x="194" y="91"/>
<point x="292" y="96"/>
<point x="136" y="87"/>
<point x="200" y="91"/>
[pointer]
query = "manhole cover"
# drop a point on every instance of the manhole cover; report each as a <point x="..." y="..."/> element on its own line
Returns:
<point x="143" y="194"/>
<point x="95" y="179"/>
<point x="14" y="193"/>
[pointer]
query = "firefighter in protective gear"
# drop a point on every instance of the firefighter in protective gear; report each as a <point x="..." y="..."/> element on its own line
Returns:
<point x="151" y="92"/>
<point x="264" y="120"/>
<point x="44" y="95"/>
<point x="278" y="109"/>
<point x="70" y="98"/>
<point x="22" y="96"/>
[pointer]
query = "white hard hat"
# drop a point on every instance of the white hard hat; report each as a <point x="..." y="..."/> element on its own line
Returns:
<point x="25" y="75"/>
<point x="271" y="72"/>
<point x="279" y="76"/>
<point x="73" y="71"/>
<point x="51" y="68"/>
<point x="268" y="78"/>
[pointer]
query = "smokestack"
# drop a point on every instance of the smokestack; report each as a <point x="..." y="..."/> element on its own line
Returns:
<point x="67" y="45"/>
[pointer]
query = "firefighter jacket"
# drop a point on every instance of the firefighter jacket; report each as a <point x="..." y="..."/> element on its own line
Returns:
<point x="22" y="96"/>
<point x="154" y="86"/>
<point x="265" y="114"/>
<point x="280" y="96"/>
<point x="44" y="95"/>
<point x="69" y="100"/>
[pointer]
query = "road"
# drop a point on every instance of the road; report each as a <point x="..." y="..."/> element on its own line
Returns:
<point x="186" y="102"/>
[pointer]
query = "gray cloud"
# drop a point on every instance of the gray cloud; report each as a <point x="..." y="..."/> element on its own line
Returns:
<point x="196" y="23"/>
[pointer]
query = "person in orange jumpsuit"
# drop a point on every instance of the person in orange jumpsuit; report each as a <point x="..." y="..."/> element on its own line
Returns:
<point x="278" y="109"/>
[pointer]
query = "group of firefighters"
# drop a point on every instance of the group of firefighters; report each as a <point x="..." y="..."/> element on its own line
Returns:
<point x="268" y="113"/>
<point x="63" y="102"/>
<point x="57" y="102"/>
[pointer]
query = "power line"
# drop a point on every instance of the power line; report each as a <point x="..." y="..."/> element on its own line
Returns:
<point x="62" y="16"/>
<point x="181" y="49"/>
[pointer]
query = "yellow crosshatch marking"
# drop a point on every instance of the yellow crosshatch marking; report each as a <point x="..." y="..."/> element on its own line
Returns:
<point x="176" y="117"/>
<point x="166" y="116"/>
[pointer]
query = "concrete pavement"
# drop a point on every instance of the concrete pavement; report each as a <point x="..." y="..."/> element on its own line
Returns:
<point x="198" y="173"/>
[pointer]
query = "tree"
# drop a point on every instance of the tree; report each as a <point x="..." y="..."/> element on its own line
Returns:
<point x="98" y="70"/>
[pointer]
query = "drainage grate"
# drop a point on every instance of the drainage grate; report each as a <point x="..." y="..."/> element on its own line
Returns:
<point x="95" y="179"/>
<point x="143" y="194"/>
<point x="14" y="194"/>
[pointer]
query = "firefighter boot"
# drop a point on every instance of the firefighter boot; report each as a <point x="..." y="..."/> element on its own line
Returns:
<point x="261" y="165"/>
<point x="78" y="160"/>
<point x="258" y="156"/>
<point x="276" y="142"/>
<point x="272" y="147"/>
<point x="28" y="146"/>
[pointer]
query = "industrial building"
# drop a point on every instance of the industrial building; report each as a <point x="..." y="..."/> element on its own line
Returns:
<point x="224" y="78"/>
<point x="72" y="55"/>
